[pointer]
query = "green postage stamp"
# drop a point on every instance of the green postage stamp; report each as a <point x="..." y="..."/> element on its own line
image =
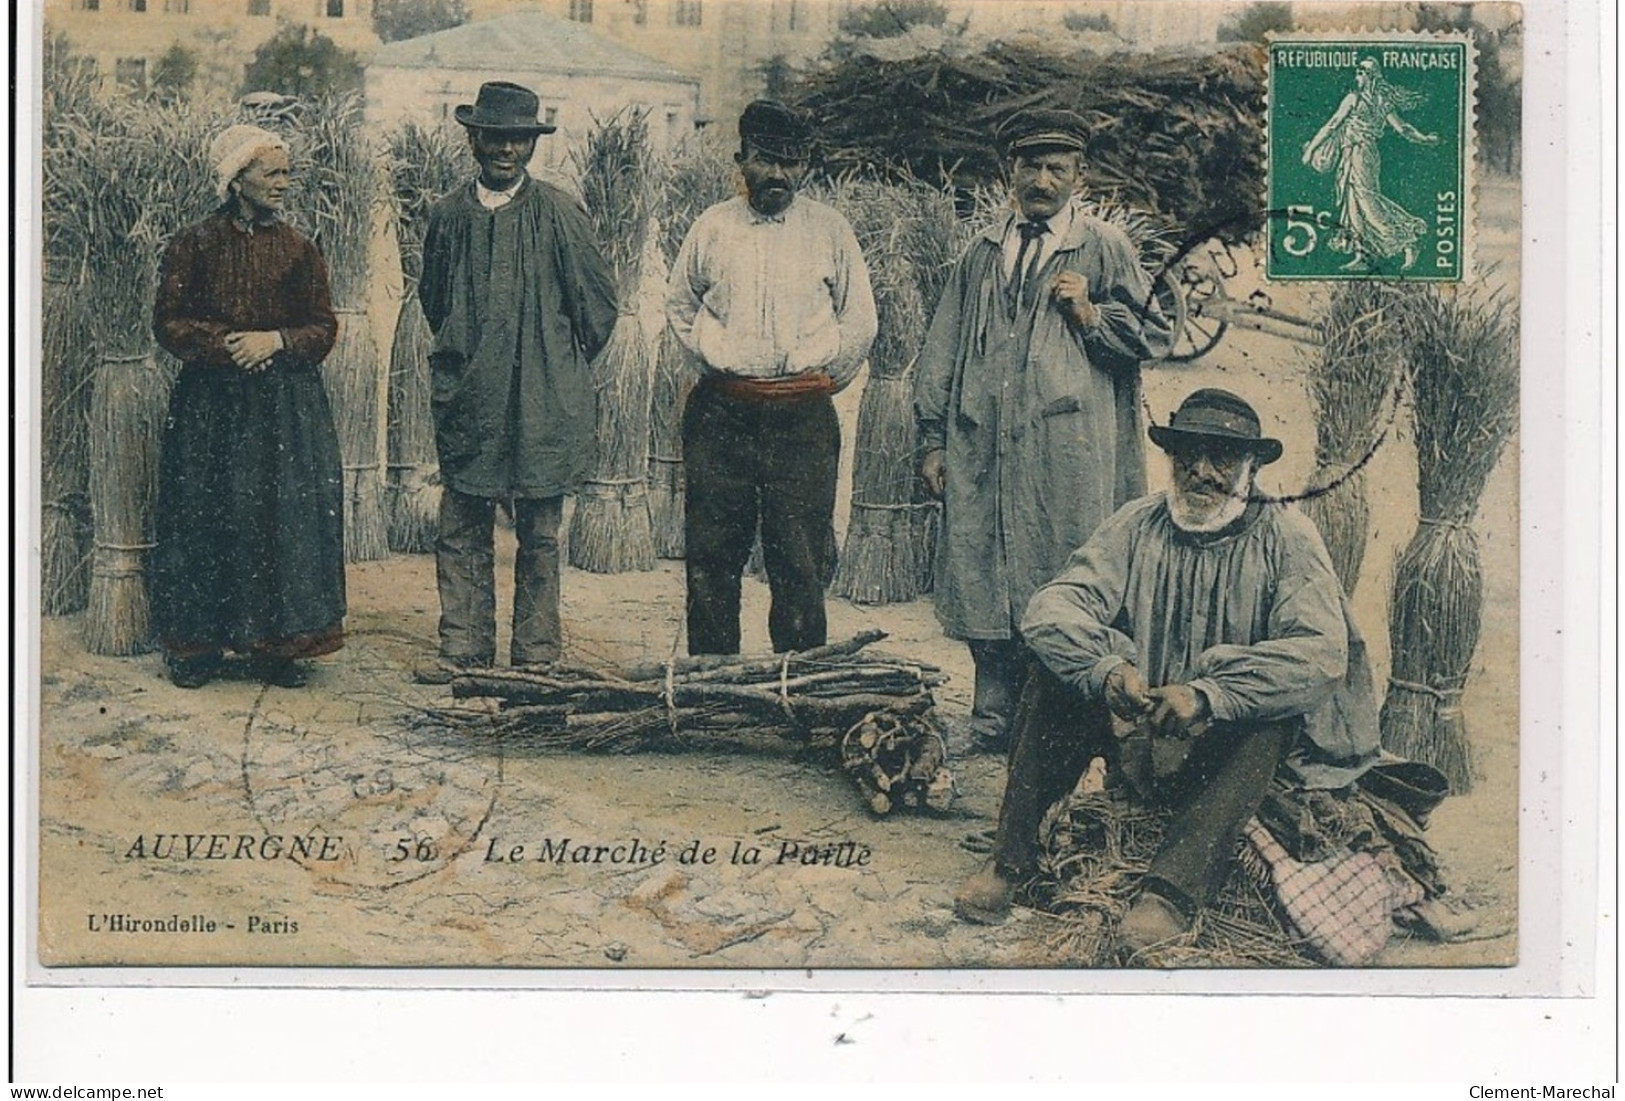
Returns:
<point x="1371" y="153"/>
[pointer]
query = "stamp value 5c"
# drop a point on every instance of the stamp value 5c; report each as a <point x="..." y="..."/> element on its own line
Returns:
<point x="1371" y="156"/>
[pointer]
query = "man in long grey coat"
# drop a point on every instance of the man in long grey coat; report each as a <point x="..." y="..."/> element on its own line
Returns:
<point x="1027" y="396"/>
<point x="520" y="300"/>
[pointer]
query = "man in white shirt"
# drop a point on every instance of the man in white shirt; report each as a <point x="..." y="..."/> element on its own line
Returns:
<point x="771" y="294"/>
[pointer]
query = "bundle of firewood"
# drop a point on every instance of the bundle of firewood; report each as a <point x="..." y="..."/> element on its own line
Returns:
<point x="804" y="695"/>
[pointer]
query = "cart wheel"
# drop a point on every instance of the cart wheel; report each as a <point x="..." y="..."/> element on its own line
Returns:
<point x="1182" y="301"/>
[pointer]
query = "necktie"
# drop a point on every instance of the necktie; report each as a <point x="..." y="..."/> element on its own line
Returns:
<point x="1022" y="278"/>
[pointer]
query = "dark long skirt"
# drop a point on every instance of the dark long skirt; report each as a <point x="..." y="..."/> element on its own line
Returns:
<point x="250" y="517"/>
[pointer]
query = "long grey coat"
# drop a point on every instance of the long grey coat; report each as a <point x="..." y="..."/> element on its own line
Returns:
<point x="1040" y="419"/>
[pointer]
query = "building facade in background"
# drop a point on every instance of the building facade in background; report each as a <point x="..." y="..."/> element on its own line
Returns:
<point x="126" y="39"/>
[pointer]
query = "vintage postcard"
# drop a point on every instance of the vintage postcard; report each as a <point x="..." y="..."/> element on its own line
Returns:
<point x="779" y="484"/>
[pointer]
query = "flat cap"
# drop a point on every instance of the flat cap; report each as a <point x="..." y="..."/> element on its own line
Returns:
<point x="1042" y="128"/>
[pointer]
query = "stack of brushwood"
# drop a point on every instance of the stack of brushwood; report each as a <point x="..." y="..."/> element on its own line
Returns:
<point x="695" y="179"/>
<point x="1462" y="359"/>
<point x="811" y="697"/>
<point x="425" y="164"/>
<point x="123" y="177"/>
<point x="1352" y="382"/>
<point x="337" y="188"/>
<point x="610" y="531"/>
<point x="1177" y="134"/>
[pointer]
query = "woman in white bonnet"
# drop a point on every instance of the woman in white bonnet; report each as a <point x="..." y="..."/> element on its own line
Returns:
<point x="250" y="537"/>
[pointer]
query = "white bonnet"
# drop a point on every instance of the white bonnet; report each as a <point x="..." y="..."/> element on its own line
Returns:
<point x="235" y="149"/>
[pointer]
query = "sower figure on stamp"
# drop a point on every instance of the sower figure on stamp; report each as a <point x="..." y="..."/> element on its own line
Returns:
<point x="1199" y="641"/>
<point x="771" y="294"/>
<point x="520" y="301"/>
<point x="1028" y="399"/>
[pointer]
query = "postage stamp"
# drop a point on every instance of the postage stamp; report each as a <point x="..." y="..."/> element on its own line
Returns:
<point x="1371" y="145"/>
<point x="1161" y="290"/>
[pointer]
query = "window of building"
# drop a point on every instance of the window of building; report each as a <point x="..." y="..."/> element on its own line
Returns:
<point x="89" y="5"/>
<point x="259" y="7"/>
<point x="581" y="11"/>
<point x="335" y="9"/>
<point x="640" y="12"/>
<point x="686" y="13"/>
<point x="131" y="72"/>
<point x="550" y="116"/>
<point x="138" y="5"/>
<point x="795" y="15"/>
<point x="178" y="7"/>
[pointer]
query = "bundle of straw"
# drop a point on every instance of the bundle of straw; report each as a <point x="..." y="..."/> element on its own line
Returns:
<point x="696" y="178"/>
<point x="337" y="189"/>
<point x="424" y="164"/>
<point x="67" y="351"/>
<point x="67" y="364"/>
<point x="135" y="173"/>
<point x="1462" y="356"/>
<point x="610" y="531"/>
<point x="1351" y="378"/>
<point x="880" y="563"/>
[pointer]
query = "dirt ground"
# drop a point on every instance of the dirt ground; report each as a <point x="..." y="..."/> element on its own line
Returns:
<point x="413" y="821"/>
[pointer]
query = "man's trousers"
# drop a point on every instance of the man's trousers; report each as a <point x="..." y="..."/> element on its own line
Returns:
<point x="465" y="567"/>
<point x="750" y="461"/>
<point x="1058" y="731"/>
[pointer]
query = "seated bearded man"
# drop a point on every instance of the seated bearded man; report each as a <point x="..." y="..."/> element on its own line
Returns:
<point x="1199" y="642"/>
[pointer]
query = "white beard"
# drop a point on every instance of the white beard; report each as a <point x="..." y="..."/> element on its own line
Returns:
<point x="1201" y="515"/>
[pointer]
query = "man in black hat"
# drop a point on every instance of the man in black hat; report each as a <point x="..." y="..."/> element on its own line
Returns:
<point x="520" y="300"/>
<point x="771" y="295"/>
<point x="1027" y="395"/>
<point x="1198" y="642"/>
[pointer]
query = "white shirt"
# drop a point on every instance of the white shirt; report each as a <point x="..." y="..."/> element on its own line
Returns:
<point x="1059" y="226"/>
<point x="496" y="200"/>
<point x="768" y="297"/>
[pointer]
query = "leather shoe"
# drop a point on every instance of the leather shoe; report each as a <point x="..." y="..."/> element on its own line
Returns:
<point x="985" y="897"/>
<point x="1152" y="919"/>
<point x="441" y="670"/>
<point x="281" y="672"/>
<point x="192" y="672"/>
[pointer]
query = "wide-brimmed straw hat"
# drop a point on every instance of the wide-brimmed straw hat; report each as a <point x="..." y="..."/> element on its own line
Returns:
<point x="503" y="106"/>
<point x="1216" y="418"/>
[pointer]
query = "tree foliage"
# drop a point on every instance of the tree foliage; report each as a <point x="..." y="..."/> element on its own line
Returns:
<point x="890" y="18"/>
<point x="297" y="61"/>
<point x="1500" y="93"/>
<point x="176" y="71"/>
<point x="394" y="20"/>
<point x="1255" y="21"/>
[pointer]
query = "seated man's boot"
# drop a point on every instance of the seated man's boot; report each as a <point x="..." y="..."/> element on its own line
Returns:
<point x="1152" y="919"/>
<point x="985" y="897"/>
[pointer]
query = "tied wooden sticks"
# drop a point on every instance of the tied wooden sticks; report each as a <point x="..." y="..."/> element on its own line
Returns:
<point x="824" y="690"/>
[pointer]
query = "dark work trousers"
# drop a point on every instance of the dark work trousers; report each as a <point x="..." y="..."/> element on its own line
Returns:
<point x="1058" y="731"/>
<point x="748" y="460"/>
<point x="465" y="566"/>
<point x="1001" y="666"/>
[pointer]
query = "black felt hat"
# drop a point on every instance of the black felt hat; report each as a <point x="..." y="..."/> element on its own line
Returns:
<point x="1219" y="418"/>
<point x="1043" y="129"/>
<point x="504" y="106"/>
<point x="776" y="130"/>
